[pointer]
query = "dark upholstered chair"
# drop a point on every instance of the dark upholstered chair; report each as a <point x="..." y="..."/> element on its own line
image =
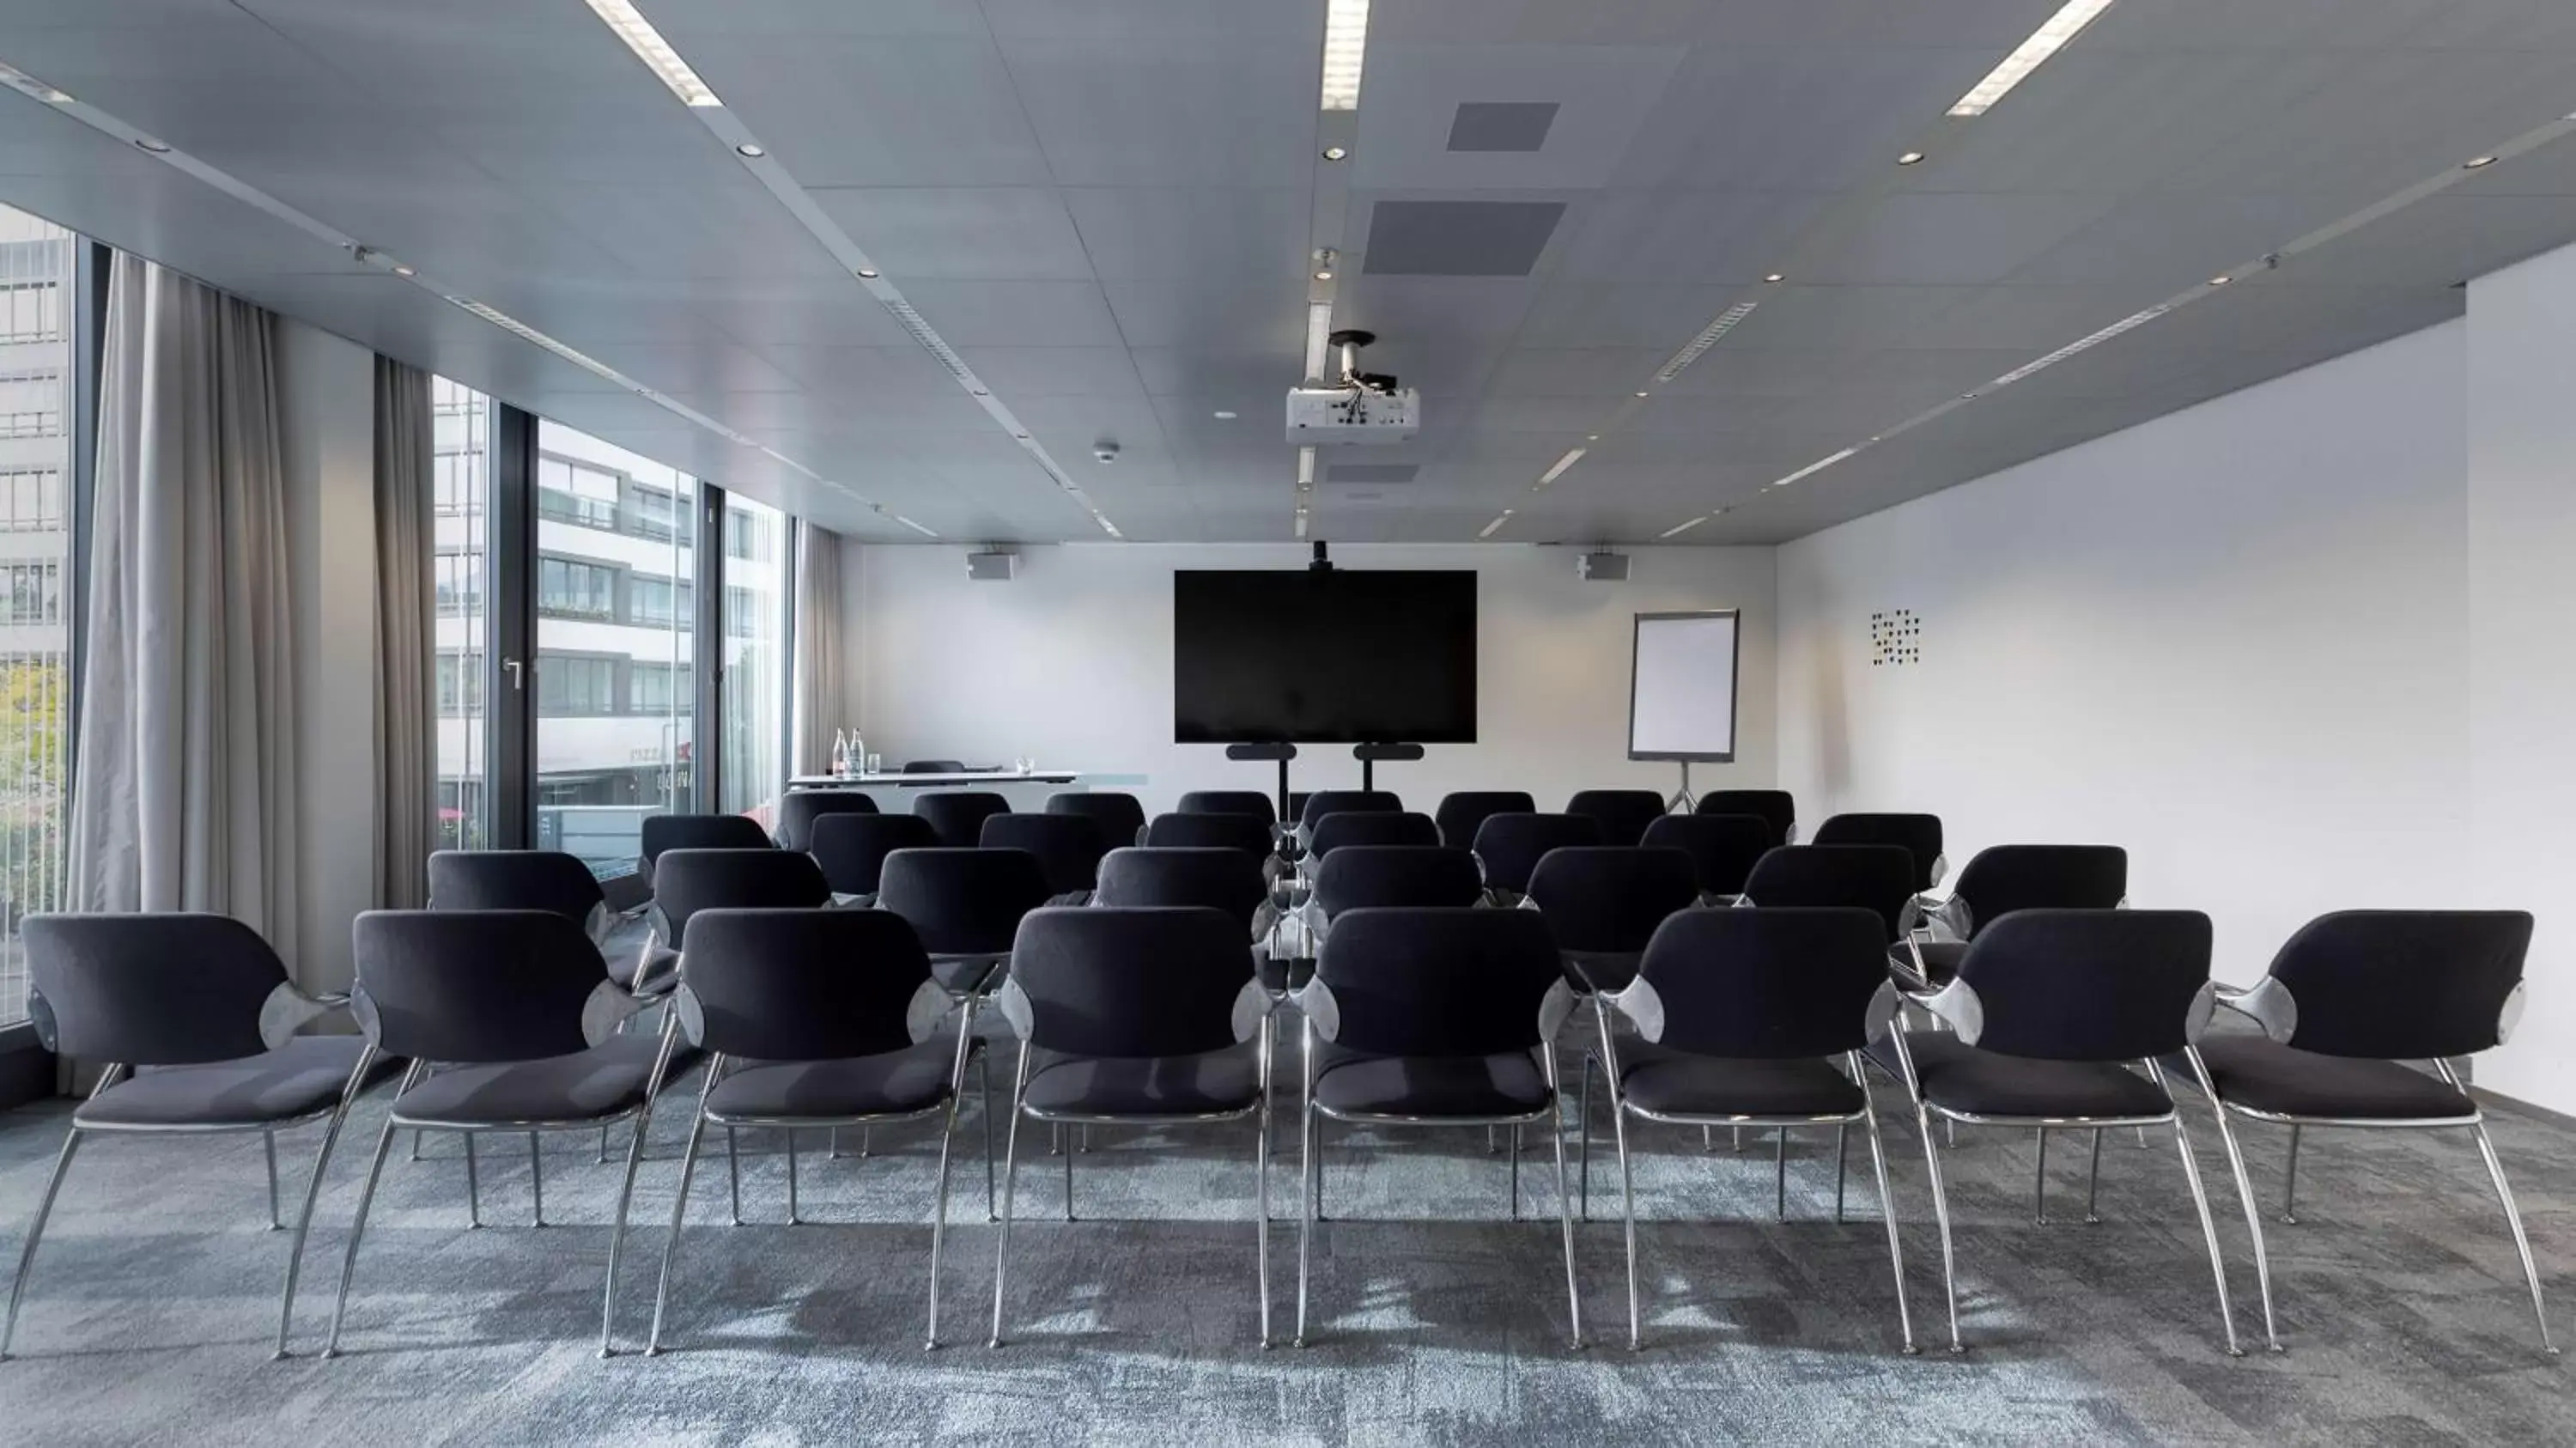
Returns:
<point x="1918" y="835"/>
<point x="523" y="880"/>
<point x="688" y="881"/>
<point x="2349" y="1000"/>
<point x="817" y="1018"/>
<point x="1877" y="878"/>
<point x="1459" y="814"/>
<point x="1509" y="846"/>
<point x="2058" y="1019"/>
<point x="1773" y="807"/>
<point x="1360" y="876"/>
<point x="662" y="832"/>
<point x="852" y="850"/>
<point x="1230" y="801"/>
<point x="1625" y="814"/>
<point x="798" y="809"/>
<point x="1325" y="802"/>
<point x="959" y="814"/>
<point x="1604" y="902"/>
<point x="1432" y="1017"/>
<point x="2003" y="878"/>
<point x="1741" y="1017"/>
<point x="1068" y="847"/>
<point x="1136" y="1016"/>
<point x="1354" y="827"/>
<point x="1120" y="816"/>
<point x="1211" y="830"/>
<point x="1215" y="879"/>
<point x="192" y="1024"/>
<point x="517" y="1010"/>
<point x="966" y="906"/>
<point x="1724" y="847"/>
<point x="933" y="766"/>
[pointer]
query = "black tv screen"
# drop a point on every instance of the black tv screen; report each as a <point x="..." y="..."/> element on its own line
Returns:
<point x="1333" y="657"/>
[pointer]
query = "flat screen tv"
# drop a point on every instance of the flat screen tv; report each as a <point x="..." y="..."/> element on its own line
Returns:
<point x="1341" y="656"/>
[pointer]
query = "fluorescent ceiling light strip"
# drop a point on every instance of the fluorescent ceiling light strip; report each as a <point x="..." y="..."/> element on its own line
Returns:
<point x="907" y="522"/>
<point x="1572" y="456"/>
<point x="2135" y="319"/>
<point x="1345" y="50"/>
<point x="2047" y="40"/>
<point x="1707" y="338"/>
<point x="1490" y="528"/>
<point x="656" y="53"/>
<point x="1684" y="528"/>
<point x="1305" y="468"/>
<point x="1818" y="466"/>
<point x="1319" y="332"/>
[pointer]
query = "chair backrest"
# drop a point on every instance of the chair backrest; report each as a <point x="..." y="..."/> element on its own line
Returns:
<point x="471" y="986"/>
<point x="1459" y="814"/>
<point x="1609" y="899"/>
<point x="1068" y="846"/>
<point x="1132" y="982"/>
<point x="149" y="990"/>
<point x="688" y="881"/>
<point x="1625" y="814"/>
<point x="852" y="849"/>
<point x="959" y="814"/>
<point x="1360" y="876"/>
<point x="2403" y="985"/>
<point x="1229" y="801"/>
<point x="1335" y="831"/>
<point x="2001" y="879"/>
<point x="700" y="832"/>
<point x="1120" y="816"/>
<point x="2087" y="985"/>
<point x="1773" y="807"/>
<point x="1509" y="845"/>
<point x="514" y="880"/>
<point x="1769" y="984"/>
<point x="1219" y="830"/>
<point x="1724" y="847"/>
<point x="1434" y="982"/>
<point x="934" y="766"/>
<point x="803" y="985"/>
<point x="1878" y="878"/>
<point x="1207" y="878"/>
<point x="799" y="808"/>
<point x="1917" y="834"/>
<point x="1324" y="802"/>
<point x="963" y="901"/>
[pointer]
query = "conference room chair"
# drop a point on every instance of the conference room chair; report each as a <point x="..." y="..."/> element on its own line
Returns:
<point x="1625" y="814"/>
<point x="1068" y="848"/>
<point x="1160" y="876"/>
<point x="852" y="850"/>
<point x="933" y="766"/>
<point x="1773" y="807"/>
<point x="2349" y="1002"/>
<point x="522" y="880"/>
<point x="966" y="905"/>
<point x="1349" y="827"/>
<point x="1876" y="878"/>
<point x="1121" y="817"/>
<point x="1741" y="1017"/>
<point x="1434" y="1017"/>
<point x="1723" y="847"/>
<point x="688" y="881"/>
<point x="1459" y="814"/>
<point x="817" y="1019"/>
<point x="1230" y="801"/>
<point x="1602" y="903"/>
<point x="1509" y="846"/>
<point x="1917" y="834"/>
<point x="1136" y="1017"/>
<point x="2000" y="879"/>
<point x="1212" y="830"/>
<point x="518" y="1011"/>
<point x="1358" y="877"/>
<point x="798" y="809"/>
<point x="959" y="814"/>
<point x="192" y="1025"/>
<point x="2059" y="1019"/>
<point x="1326" y="802"/>
<point x="663" y="832"/>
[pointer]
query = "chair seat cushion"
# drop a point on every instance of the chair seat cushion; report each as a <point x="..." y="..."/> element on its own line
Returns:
<point x="2263" y="1075"/>
<point x="1678" y="1083"/>
<point x="605" y="1081"/>
<point x="1210" y="1084"/>
<point x="892" y="1084"/>
<point x="1964" y="1079"/>
<point x="1353" y="1083"/>
<point x="301" y="1078"/>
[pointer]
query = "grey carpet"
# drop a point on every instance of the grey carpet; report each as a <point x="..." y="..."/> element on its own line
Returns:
<point x="1438" y="1319"/>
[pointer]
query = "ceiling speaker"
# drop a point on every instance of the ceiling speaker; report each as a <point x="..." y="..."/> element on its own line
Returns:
<point x="995" y="567"/>
<point x="1602" y="567"/>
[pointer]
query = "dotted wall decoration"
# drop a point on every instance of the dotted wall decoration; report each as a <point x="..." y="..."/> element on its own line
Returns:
<point x="1895" y="638"/>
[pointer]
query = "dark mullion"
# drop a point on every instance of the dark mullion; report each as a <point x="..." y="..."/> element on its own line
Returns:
<point x="706" y="650"/>
<point x="509" y="581"/>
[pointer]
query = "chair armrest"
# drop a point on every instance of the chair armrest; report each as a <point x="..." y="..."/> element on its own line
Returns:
<point x="2267" y="1003"/>
<point x="289" y="1008"/>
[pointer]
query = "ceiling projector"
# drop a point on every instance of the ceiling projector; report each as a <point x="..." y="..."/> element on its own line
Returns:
<point x="1361" y="407"/>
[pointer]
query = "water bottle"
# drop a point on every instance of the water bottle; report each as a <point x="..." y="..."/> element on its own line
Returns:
<point x="858" y="753"/>
<point x="840" y="754"/>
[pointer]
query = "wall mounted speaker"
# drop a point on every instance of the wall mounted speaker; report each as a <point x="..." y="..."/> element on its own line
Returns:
<point x="993" y="567"/>
<point x="1602" y="567"/>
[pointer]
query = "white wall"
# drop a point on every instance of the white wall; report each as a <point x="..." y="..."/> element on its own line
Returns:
<point x="1071" y="663"/>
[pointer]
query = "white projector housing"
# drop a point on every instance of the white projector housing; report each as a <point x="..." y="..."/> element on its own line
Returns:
<point x="1325" y="416"/>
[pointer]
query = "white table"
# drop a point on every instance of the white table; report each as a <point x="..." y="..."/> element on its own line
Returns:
<point x="894" y="793"/>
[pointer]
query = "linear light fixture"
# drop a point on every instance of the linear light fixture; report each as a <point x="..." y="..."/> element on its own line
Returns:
<point x="1706" y="339"/>
<point x="1818" y="466"/>
<point x="654" y="51"/>
<point x="2134" y="319"/>
<point x="1345" y="48"/>
<point x="1319" y="335"/>
<point x="1305" y="469"/>
<point x="916" y="527"/>
<point x="1572" y="456"/>
<point x="1686" y="527"/>
<point x="1490" y="528"/>
<point x="2047" y="40"/>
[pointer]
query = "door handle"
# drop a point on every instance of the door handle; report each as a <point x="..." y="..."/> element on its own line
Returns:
<point x="518" y="672"/>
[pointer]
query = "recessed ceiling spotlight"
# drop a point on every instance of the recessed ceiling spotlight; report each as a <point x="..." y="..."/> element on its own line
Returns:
<point x="751" y="150"/>
<point x="1323" y="273"/>
<point x="157" y="148"/>
<point x="1592" y="437"/>
<point x="2477" y="163"/>
<point x="53" y="97"/>
<point x="1910" y="158"/>
<point x="403" y="269"/>
<point x="2047" y="40"/>
<point x="869" y="272"/>
<point x="1641" y="392"/>
<point x="1224" y="414"/>
<point x="2218" y="281"/>
<point x="1335" y="153"/>
<point x="1776" y="277"/>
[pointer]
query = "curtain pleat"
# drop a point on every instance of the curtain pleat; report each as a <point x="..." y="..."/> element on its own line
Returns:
<point x="405" y="770"/>
<point x="817" y="679"/>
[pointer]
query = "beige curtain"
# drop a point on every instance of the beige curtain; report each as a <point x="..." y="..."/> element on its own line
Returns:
<point x="405" y="770"/>
<point x="817" y="677"/>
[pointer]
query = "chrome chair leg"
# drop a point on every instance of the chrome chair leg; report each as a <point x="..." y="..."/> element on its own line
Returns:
<point x="1707" y="1139"/>
<point x="1564" y="1198"/>
<point x="1261" y="1217"/>
<point x="473" y="1188"/>
<point x="1309" y="1192"/>
<point x="679" y="1209"/>
<point x="1941" y="1214"/>
<point x="1069" y="1148"/>
<point x="268" y="1148"/>
<point x="1010" y="1183"/>
<point x="357" y="1230"/>
<point x="2521" y="1243"/>
<point x="791" y="1178"/>
<point x="603" y="1146"/>
<point x="1583" y="1125"/>
<point x="733" y="1174"/>
<point x="312" y="1191"/>
<point x="1515" y="1172"/>
<point x="536" y="1184"/>
<point x="833" y="1138"/>
<point x="1627" y="1215"/>
<point x="617" y="1230"/>
<point x="1887" y="1213"/>
<point x="415" y="1145"/>
<point x="2093" y="1183"/>
<point x="939" y="1213"/>
<point x="35" y="1230"/>
<point x="2253" y="1221"/>
<point x="1842" y="1159"/>
<point x="2290" y="1182"/>
<point x="2208" y="1229"/>
<point x="985" y="1110"/>
<point x="2039" y="1183"/>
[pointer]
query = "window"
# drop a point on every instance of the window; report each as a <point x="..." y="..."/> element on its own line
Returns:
<point x="576" y="686"/>
<point x="656" y="513"/>
<point x="657" y="688"/>
<point x="658" y="602"/>
<point x="742" y="611"/>
<point x="31" y="500"/>
<point x="747" y="537"/>
<point x="457" y="576"/>
<point x="31" y="593"/>
<point x="460" y="683"/>
<point x="31" y="311"/>
<point x="755" y="657"/>
<point x="461" y="421"/>
<point x="571" y="588"/>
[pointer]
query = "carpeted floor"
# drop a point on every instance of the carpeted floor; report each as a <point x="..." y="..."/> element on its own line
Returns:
<point x="1437" y="1318"/>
